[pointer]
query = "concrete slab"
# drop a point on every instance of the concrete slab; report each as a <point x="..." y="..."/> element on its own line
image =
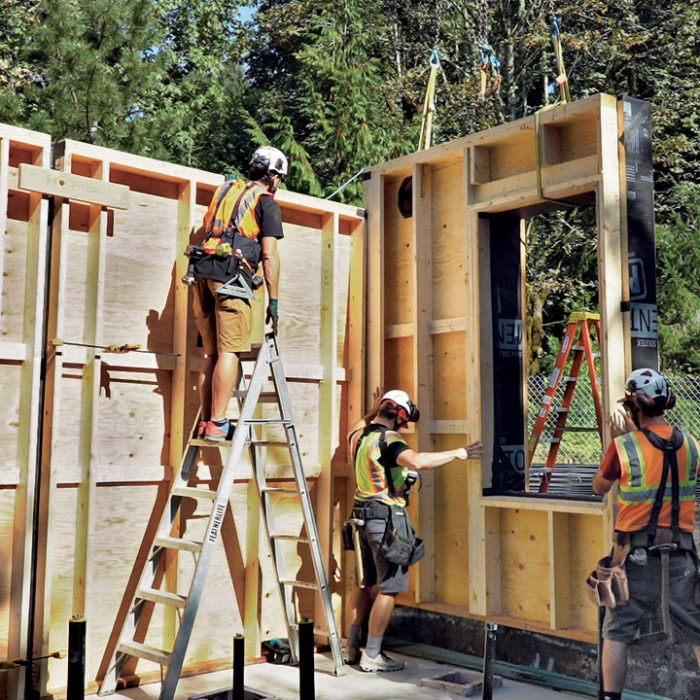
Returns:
<point x="282" y="682"/>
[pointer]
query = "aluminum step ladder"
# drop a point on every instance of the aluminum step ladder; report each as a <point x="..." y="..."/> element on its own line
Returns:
<point x="246" y="436"/>
<point x="577" y="345"/>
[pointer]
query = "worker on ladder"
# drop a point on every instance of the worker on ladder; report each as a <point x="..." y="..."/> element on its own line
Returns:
<point x="656" y="466"/>
<point x="242" y="226"/>
<point x="385" y="468"/>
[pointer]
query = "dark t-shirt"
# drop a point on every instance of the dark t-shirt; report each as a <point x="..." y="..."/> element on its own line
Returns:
<point x="270" y="217"/>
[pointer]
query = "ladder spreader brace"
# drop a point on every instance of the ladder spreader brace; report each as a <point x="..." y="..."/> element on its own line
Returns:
<point x="245" y="435"/>
<point x="577" y="340"/>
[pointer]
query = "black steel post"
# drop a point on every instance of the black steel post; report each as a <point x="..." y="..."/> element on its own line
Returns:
<point x="307" y="691"/>
<point x="491" y="630"/>
<point x="238" y="667"/>
<point x="76" y="658"/>
<point x="599" y="665"/>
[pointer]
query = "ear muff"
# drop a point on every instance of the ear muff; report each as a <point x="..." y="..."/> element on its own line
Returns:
<point x="671" y="400"/>
<point x="414" y="415"/>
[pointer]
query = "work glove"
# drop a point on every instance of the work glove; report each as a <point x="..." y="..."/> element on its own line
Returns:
<point x="272" y="315"/>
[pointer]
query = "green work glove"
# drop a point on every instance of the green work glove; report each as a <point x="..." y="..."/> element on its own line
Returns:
<point x="272" y="315"/>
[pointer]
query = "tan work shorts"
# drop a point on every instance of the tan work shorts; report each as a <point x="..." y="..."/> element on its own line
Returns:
<point x="224" y="322"/>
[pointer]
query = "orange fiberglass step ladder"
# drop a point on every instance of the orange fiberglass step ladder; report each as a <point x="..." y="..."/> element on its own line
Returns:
<point x="577" y="344"/>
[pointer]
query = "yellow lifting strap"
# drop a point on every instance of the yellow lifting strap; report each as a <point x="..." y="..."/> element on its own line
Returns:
<point x="426" y="125"/>
<point x="562" y="79"/>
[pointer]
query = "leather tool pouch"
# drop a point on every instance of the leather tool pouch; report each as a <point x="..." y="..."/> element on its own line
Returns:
<point x="400" y="544"/>
<point x="607" y="585"/>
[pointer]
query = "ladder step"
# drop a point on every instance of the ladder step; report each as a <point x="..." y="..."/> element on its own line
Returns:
<point x="579" y="429"/>
<point x="269" y="443"/>
<point x="300" y="584"/>
<point x="143" y="651"/>
<point x="177" y="543"/>
<point x="164" y="597"/>
<point x="279" y="489"/>
<point x="190" y="492"/>
<point x="290" y="538"/>
<point x="561" y="409"/>
<point x="264" y="397"/>
<point x="269" y="421"/>
<point x="199" y="442"/>
<point x="570" y="379"/>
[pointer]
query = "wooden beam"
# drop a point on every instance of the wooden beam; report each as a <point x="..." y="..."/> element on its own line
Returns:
<point x="329" y="391"/>
<point x="84" y="189"/>
<point x="422" y="233"/>
<point x="611" y="259"/>
<point x="374" y="378"/>
<point x="4" y="193"/>
<point x="34" y="278"/>
<point x="559" y="576"/>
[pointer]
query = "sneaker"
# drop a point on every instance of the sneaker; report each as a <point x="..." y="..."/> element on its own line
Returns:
<point x="381" y="662"/>
<point x="201" y="428"/>
<point x="352" y="656"/>
<point x="218" y="431"/>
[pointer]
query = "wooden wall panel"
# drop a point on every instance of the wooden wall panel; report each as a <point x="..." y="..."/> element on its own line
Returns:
<point x="397" y="261"/>
<point x="505" y="556"/>
<point x="117" y="422"/>
<point x="451" y="527"/>
<point x="448" y="242"/>
<point x="525" y="557"/>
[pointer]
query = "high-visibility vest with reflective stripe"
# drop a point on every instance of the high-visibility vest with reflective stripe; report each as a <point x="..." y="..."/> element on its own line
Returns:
<point x="370" y="477"/>
<point x="642" y="466"/>
<point x="220" y="218"/>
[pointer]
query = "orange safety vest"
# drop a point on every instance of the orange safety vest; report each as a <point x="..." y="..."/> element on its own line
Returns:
<point x="642" y="466"/>
<point x="232" y="209"/>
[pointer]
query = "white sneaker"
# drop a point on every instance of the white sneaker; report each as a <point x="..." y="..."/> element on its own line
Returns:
<point x="381" y="662"/>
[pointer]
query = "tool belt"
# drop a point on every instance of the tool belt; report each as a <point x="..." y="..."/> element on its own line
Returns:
<point x="607" y="584"/>
<point x="662" y="537"/>
<point x="400" y="544"/>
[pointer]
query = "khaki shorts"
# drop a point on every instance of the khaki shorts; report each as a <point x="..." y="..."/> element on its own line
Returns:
<point x="224" y="322"/>
<point x="641" y="617"/>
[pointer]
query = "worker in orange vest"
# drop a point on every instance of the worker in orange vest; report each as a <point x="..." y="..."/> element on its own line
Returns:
<point x="656" y="467"/>
<point x="241" y="228"/>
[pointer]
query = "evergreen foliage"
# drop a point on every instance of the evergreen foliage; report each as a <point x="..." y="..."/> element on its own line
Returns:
<point x="339" y="85"/>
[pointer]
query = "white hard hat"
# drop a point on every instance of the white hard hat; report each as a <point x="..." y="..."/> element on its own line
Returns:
<point x="270" y="159"/>
<point x="649" y="390"/>
<point x="402" y="399"/>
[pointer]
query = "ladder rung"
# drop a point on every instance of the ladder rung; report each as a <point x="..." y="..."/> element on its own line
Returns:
<point x="164" y="597"/>
<point x="189" y="492"/>
<point x="570" y="379"/>
<point x="264" y="397"/>
<point x="579" y="429"/>
<point x="300" y="584"/>
<point x="278" y="489"/>
<point x="143" y="651"/>
<point x="269" y="443"/>
<point x="269" y="421"/>
<point x="199" y="442"/>
<point x="553" y="441"/>
<point x="562" y="409"/>
<point x="177" y="543"/>
<point x="290" y="538"/>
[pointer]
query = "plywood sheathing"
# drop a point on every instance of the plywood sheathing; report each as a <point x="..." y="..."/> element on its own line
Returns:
<point x="115" y="425"/>
<point x="512" y="559"/>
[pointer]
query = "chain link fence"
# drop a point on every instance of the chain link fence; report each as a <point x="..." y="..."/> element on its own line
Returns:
<point x="582" y="445"/>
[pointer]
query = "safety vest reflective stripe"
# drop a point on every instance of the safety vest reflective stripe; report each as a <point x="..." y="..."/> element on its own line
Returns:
<point x="687" y="492"/>
<point x="635" y="459"/>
